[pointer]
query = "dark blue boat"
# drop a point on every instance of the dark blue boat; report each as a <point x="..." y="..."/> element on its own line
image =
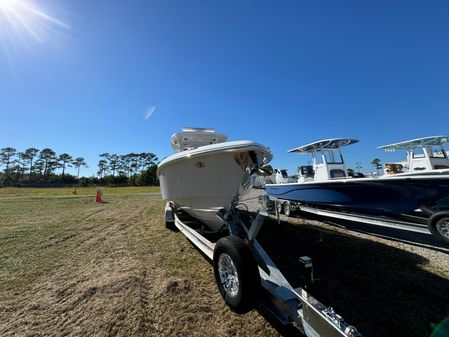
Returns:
<point x="377" y="196"/>
<point x="327" y="184"/>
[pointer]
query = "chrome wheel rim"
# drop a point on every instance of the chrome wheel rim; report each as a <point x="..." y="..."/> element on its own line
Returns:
<point x="228" y="275"/>
<point x="442" y="226"/>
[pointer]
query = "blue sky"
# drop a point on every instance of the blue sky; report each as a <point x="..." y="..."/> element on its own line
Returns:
<point x="283" y="73"/>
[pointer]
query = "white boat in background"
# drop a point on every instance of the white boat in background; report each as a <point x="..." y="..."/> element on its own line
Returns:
<point x="424" y="156"/>
<point x="208" y="173"/>
<point x="279" y="176"/>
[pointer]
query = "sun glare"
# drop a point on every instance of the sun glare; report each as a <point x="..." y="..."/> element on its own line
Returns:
<point x="24" y="20"/>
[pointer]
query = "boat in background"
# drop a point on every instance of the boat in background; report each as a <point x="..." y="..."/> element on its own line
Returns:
<point x="424" y="156"/>
<point x="279" y="176"/>
<point x="326" y="184"/>
<point x="208" y="173"/>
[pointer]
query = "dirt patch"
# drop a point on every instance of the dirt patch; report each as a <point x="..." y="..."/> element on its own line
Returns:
<point x="177" y="286"/>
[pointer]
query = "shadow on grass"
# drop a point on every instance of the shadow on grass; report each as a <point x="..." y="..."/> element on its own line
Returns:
<point x="381" y="290"/>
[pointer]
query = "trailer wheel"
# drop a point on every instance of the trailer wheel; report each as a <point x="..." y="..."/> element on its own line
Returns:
<point x="439" y="226"/>
<point x="286" y="208"/>
<point x="236" y="274"/>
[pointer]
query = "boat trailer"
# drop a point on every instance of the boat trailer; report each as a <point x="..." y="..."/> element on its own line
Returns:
<point x="247" y="276"/>
<point x="437" y="223"/>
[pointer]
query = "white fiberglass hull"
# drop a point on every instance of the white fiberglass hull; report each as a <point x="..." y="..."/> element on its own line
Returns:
<point x="206" y="179"/>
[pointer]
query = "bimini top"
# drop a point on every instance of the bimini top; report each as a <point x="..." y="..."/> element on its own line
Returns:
<point x="333" y="143"/>
<point x="191" y="138"/>
<point x="418" y="142"/>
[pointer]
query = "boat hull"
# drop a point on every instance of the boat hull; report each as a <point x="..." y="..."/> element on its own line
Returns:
<point x="371" y="196"/>
<point x="202" y="182"/>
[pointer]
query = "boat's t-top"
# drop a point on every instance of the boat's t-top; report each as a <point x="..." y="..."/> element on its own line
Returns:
<point x="191" y="138"/>
<point x="327" y="160"/>
<point x="423" y="154"/>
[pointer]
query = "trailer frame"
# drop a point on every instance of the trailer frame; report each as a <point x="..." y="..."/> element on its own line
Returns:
<point x="421" y="225"/>
<point x="291" y="306"/>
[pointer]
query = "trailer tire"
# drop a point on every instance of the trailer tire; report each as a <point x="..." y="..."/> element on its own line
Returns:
<point x="286" y="208"/>
<point x="236" y="274"/>
<point x="439" y="226"/>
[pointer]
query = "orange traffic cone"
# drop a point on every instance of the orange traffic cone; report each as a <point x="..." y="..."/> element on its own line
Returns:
<point x="98" y="197"/>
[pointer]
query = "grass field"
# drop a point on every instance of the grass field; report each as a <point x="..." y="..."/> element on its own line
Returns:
<point x="73" y="267"/>
<point x="26" y="192"/>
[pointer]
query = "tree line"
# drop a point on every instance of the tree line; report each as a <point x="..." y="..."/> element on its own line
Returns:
<point x="128" y="169"/>
<point x="34" y="167"/>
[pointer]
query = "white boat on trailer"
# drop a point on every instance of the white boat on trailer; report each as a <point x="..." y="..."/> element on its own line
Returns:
<point x="206" y="173"/>
<point x="244" y="272"/>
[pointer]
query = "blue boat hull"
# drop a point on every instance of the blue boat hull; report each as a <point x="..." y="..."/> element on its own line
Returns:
<point x="370" y="196"/>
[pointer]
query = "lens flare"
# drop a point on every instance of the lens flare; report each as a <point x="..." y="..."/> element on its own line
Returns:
<point x="25" y="21"/>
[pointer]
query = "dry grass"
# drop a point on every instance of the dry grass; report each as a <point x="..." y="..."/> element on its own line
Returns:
<point x="71" y="267"/>
<point x="29" y="192"/>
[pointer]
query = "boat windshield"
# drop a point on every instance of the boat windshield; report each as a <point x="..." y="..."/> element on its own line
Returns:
<point x="284" y="173"/>
<point x="332" y="157"/>
<point x="437" y="152"/>
<point x="418" y="152"/>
